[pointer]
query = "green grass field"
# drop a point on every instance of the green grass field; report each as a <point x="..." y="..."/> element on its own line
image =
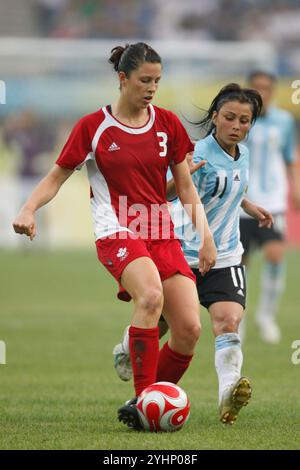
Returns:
<point x="60" y="320"/>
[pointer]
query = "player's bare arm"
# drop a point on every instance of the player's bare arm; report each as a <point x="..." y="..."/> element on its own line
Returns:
<point x="264" y="217"/>
<point x="189" y="198"/>
<point x="44" y="192"/>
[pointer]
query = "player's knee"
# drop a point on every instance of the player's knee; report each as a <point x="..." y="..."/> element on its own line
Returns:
<point x="229" y="324"/>
<point x="274" y="257"/>
<point x="190" y="333"/>
<point x="196" y="332"/>
<point x="151" y="301"/>
<point x="274" y="252"/>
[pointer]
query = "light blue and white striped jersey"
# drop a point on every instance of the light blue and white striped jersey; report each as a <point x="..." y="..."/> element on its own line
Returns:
<point x="272" y="145"/>
<point x="221" y="185"/>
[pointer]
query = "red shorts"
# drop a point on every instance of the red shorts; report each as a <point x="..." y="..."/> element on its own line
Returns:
<point x="167" y="255"/>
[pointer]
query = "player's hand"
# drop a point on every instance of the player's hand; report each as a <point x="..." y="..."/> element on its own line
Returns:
<point x="264" y="217"/>
<point x="193" y="167"/>
<point x="25" y="224"/>
<point x="207" y="256"/>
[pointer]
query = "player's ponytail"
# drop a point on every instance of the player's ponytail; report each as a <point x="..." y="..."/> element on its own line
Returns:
<point x="231" y="92"/>
<point x="116" y="54"/>
<point x="129" y="58"/>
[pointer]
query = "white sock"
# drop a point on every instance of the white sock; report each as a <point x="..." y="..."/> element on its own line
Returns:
<point x="272" y="286"/>
<point x="228" y="360"/>
<point x="242" y="328"/>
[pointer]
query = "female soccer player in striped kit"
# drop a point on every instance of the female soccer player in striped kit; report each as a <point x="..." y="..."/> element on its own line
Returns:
<point x="221" y="184"/>
<point x="272" y="150"/>
<point x="127" y="148"/>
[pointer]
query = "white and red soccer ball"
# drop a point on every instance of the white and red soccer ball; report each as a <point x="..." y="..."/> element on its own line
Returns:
<point x="163" y="406"/>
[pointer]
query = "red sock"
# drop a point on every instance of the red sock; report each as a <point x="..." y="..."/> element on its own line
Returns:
<point x="144" y="351"/>
<point x="171" y="365"/>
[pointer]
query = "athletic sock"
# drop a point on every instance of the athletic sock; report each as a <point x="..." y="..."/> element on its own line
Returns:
<point x="144" y="350"/>
<point x="272" y="285"/>
<point x="228" y="360"/>
<point x="171" y="365"/>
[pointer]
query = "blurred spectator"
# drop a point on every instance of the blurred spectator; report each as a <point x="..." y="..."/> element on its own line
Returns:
<point x="8" y="199"/>
<point x="274" y="20"/>
<point x="49" y="13"/>
<point x="31" y="143"/>
<point x="96" y="18"/>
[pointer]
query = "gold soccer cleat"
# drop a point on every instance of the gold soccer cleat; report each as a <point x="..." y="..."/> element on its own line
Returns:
<point x="234" y="399"/>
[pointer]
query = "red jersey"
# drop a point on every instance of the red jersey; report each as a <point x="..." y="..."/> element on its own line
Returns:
<point x="127" y="169"/>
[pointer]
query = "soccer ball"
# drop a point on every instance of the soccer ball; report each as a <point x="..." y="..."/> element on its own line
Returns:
<point x="163" y="406"/>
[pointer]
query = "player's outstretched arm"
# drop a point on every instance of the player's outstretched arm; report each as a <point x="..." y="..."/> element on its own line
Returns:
<point x="265" y="218"/>
<point x="41" y="195"/>
<point x="191" y="202"/>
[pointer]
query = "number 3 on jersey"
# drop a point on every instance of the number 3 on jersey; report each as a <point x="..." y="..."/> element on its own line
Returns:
<point x="163" y="143"/>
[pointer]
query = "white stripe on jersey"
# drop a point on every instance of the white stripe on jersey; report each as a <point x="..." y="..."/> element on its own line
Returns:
<point x="215" y="223"/>
<point x="103" y="126"/>
<point x="90" y="156"/>
<point x="104" y="216"/>
<point x="224" y="241"/>
<point x="214" y="202"/>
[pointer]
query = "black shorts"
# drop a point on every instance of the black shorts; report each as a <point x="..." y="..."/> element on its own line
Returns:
<point x="222" y="285"/>
<point x="252" y="235"/>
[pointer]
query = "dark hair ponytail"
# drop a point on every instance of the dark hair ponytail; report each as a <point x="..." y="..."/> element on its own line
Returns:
<point x="116" y="54"/>
<point x="231" y="92"/>
<point x="129" y="58"/>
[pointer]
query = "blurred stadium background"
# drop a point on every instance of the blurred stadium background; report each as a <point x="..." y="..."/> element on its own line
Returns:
<point x="53" y="56"/>
<point x="53" y="61"/>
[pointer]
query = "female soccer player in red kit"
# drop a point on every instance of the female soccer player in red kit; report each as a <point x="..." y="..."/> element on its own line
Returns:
<point x="127" y="148"/>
